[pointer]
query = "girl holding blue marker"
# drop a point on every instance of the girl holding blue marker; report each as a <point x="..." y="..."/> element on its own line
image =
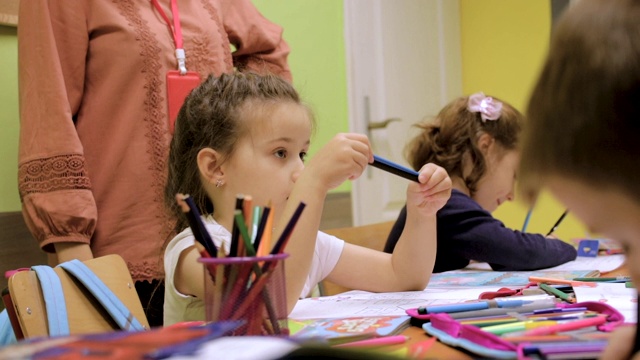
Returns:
<point x="475" y="139"/>
<point x="244" y="133"/>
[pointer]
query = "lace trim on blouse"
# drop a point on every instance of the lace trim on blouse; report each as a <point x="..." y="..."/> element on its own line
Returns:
<point x="62" y="172"/>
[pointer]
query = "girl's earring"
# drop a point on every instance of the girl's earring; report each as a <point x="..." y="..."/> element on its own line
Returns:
<point x="219" y="183"/>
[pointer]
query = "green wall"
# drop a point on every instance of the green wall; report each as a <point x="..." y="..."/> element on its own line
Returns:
<point x="314" y="29"/>
<point x="504" y="43"/>
<point x="9" y="199"/>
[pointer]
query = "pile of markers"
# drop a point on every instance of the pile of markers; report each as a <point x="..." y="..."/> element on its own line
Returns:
<point x="247" y="283"/>
<point x="533" y="325"/>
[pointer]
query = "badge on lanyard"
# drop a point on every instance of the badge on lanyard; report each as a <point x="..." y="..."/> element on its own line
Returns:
<point x="180" y="82"/>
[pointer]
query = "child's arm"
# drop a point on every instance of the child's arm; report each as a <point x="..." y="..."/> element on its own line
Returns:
<point x="189" y="274"/>
<point x="344" y="157"/>
<point x="411" y="264"/>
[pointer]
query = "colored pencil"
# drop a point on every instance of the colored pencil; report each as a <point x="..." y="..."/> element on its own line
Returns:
<point x="244" y="234"/>
<point x="197" y="226"/>
<point x="267" y="234"/>
<point x="255" y="223"/>
<point x="568" y="326"/>
<point x="239" y="244"/>
<point x="286" y="233"/>
<point x="218" y="288"/>
<point x="555" y="226"/>
<point x="261" y="236"/>
<point x="553" y="291"/>
<point x="247" y="213"/>
<point x="619" y="279"/>
<point x="526" y="219"/>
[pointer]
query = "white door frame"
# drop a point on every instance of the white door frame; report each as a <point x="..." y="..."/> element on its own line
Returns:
<point x="366" y="60"/>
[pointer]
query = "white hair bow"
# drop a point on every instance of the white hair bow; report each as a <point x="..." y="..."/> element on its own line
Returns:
<point x="488" y="108"/>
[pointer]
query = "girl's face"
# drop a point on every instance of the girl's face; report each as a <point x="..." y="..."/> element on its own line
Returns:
<point x="608" y="212"/>
<point x="497" y="184"/>
<point x="268" y="159"/>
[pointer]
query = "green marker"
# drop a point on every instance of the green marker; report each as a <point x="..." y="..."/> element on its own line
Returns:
<point x="555" y="292"/>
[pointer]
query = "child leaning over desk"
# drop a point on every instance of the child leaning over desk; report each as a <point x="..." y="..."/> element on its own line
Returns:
<point x="475" y="139"/>
<point x="582" y="139"/>
<point x="249" y="134"/>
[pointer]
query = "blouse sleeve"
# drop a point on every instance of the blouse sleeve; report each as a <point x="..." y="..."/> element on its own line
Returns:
<point x="259" y="43"/>
<point x="474" y="234"/>
<point x="468" y="233"/>
<point x="55" y="190"/>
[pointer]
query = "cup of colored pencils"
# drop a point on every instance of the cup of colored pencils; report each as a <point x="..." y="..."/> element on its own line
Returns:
<point x="250" y="289"/>
<point x="246" y="283"/>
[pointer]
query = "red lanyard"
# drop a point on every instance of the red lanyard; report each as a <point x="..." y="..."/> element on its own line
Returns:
<point x="176" y="31"/>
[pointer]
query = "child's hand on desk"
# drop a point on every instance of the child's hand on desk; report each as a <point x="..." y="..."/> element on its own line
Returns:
<point x="432" y="193"/>
<point x="621" y="344"/>
<point x="344" y="157"/>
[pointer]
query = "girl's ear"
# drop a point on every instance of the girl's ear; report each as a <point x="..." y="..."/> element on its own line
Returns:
<point x="209" y="162"/>
<point x="485" y="143"/>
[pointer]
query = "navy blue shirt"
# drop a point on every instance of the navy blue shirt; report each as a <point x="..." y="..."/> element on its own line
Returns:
<point x="467" y="232"/>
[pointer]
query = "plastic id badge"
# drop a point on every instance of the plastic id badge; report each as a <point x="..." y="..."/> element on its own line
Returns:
<point x="178" y="87"/>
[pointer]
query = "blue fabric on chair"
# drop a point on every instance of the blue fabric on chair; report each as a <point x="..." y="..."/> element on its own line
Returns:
<point x="54" y="300"/>
<point x="111" y="303"/>
<point x="7" y="337"/>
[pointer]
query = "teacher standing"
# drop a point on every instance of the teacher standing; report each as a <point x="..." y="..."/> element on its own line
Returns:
<point x="95" y="122"/>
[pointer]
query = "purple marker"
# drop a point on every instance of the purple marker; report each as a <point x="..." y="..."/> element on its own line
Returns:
<point x="558" y="310"/>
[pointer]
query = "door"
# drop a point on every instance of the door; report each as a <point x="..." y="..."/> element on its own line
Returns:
<point x="403" y="64"/>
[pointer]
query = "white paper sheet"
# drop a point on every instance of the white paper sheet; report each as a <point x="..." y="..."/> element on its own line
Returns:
<point x="615" y="294"/>
<point x="362" y="303"/>
<point x="603" y="264"/>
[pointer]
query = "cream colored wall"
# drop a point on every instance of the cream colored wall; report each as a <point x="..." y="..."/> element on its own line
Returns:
<point x="504" y="43"/>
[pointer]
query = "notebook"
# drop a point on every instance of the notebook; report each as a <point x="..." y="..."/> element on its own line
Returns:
<point x="342" y="330"/>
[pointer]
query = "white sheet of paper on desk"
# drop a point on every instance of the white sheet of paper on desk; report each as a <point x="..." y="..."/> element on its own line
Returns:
<point x="362" y="303"/>
<point x="514" y="279"/>
<point x="601" y="263"/>
<point x="615" y="294"/>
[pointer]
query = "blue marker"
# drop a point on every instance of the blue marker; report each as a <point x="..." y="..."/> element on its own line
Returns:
<point x="394" y="168"/>
<point x="472" y="306"/>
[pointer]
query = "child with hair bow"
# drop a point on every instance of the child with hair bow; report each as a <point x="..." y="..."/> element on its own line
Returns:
<point x="475" y="140"/>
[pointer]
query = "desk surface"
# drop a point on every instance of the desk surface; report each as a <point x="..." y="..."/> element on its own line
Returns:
<point x="442" y="351"/>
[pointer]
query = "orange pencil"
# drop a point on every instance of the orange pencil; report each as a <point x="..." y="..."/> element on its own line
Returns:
<point x="247" y="212"/>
